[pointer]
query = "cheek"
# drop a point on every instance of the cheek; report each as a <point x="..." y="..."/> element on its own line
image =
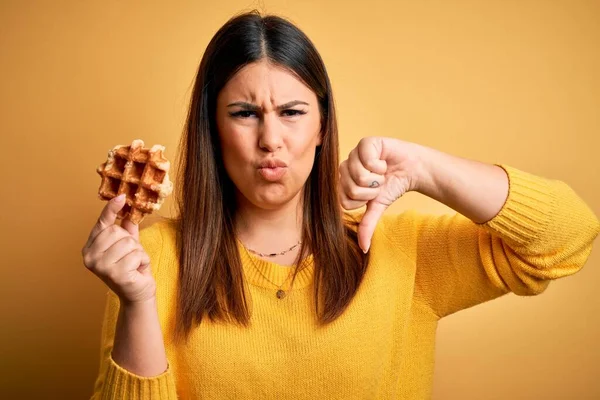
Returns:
<point x="305" y="143"/>
<point x="305" y="156"/>
<point x="236" y="153"/>
<point x="310" y="139"/>
<point x="231" y="135"/>
<point x="234" y="140"/>
<point x="233" y="154"/>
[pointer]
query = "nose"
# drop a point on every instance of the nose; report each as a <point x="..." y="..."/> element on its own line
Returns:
<point x="270" y="138"/>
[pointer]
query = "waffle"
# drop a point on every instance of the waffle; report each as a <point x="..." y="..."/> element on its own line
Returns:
<point x="141" y="173"/>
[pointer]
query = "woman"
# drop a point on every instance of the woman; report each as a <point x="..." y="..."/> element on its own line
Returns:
<point x="263" y="287"/>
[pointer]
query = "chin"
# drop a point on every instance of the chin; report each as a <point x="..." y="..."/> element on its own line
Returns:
<point x="272" y="197"/>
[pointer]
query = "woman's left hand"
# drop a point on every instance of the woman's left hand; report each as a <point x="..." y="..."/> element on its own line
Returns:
<point x="378" y="171"/>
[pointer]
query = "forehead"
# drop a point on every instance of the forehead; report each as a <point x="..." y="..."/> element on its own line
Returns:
<point x="263" y="81"/>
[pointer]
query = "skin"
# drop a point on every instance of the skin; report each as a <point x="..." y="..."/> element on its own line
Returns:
<point x="115" y="255"/>
<point x="377" y="172"/>
<point x="266" y="112"/>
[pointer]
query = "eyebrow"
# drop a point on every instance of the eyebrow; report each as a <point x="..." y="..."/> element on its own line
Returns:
<point x="253" y="107"/>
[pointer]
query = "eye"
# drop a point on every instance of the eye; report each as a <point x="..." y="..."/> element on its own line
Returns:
<point x="292" y="113"/>
<point x="243" y="114"/>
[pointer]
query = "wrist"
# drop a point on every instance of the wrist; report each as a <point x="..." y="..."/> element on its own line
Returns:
<point x="422" y="177"/>
<point x="138" y="305"/>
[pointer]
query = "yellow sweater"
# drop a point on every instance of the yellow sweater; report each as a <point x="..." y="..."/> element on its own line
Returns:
<point x="422" y="268"/>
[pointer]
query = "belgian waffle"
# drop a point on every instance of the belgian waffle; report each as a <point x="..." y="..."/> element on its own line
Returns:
<point x="141" y="173"/>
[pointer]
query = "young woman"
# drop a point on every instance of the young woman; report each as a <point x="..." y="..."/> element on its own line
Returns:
<point x="264" y="287"/>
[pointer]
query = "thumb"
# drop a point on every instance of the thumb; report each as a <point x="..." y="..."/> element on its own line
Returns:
<point x="107" y="217"/>
<point x="133" y="229"/>
<point x="367" y="225"/>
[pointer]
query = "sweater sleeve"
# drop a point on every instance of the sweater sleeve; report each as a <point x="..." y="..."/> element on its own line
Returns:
<point x="543" y="232"/>
<point x="113" y="381"/>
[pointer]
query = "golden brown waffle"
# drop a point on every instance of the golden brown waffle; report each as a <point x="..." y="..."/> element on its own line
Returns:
<point x="141" y="173"/>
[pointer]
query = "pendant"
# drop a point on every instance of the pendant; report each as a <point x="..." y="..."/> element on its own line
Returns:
<point x="280" y="294"/>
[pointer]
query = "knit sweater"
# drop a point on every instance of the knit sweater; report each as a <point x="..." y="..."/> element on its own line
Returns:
<point x="422" y="267"/>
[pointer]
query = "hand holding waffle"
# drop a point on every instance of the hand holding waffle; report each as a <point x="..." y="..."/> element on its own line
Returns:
<point x="135" y="181"/>
<point x="115" y="255"/>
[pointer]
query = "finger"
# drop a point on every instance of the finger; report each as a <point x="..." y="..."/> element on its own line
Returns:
<point x="355" y="192"/>
<point x="120" y="249"/>
<point x="360" y="174"/>
<point x="371" y="154"/>
<point x="367" y="225"/>
<point x="349" y="204"/>
<point x="133" y="229"/>
<point x="144" y="263"/>
<point x="132" y="261"/>
<point x="127" y="263"/>
<point x="345" y="192"/>
<point x="107" y="238"/>
<point x="108" y="216"/>
<point x="377" y="166"/>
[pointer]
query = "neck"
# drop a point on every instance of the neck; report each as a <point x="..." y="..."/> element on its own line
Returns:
<point x="270" y="230"/>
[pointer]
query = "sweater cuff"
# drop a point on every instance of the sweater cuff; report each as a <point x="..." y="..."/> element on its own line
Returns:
<point x="124" y="385"/>
<point x="527" y="210"/>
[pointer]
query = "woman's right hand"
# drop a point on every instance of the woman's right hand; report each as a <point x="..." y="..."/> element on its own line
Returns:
<point x="115" y="255"/>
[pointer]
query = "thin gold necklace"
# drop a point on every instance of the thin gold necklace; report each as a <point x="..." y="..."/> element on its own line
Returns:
<point x="281" y="253"/>
<point x="280" y="292"/>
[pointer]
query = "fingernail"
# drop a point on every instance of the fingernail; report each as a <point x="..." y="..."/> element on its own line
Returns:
<point x="120" y="197"/>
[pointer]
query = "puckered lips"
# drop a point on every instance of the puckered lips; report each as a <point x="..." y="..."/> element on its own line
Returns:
<point x="272" y="169"/>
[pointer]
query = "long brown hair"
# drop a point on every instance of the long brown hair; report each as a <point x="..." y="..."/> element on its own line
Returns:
<point x="211" y="281"/>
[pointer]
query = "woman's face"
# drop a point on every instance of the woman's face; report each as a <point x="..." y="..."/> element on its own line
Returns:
<point x="269" y="127"/>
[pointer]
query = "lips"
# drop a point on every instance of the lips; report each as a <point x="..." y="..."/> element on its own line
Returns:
<point x="272" y="169"/>
<point x="272" y="163"/>
<point x="272" y="174"/>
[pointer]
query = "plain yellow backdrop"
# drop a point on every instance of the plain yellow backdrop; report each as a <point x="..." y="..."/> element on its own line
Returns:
<point x="516" y="82"/>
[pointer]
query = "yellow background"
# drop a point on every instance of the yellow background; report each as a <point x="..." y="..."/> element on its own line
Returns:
<point x="516" y="82"/>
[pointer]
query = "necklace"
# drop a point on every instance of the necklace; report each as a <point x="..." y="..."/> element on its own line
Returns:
<point x="280" y="292"/>
<point x="281" y="253"/>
